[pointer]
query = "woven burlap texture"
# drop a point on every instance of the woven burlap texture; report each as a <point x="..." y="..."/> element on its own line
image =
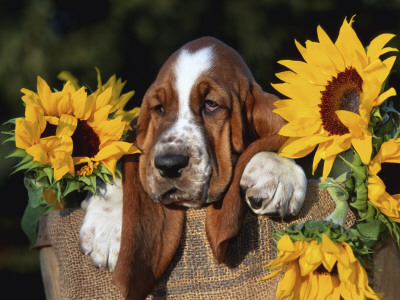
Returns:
<point x="193" y="272"/>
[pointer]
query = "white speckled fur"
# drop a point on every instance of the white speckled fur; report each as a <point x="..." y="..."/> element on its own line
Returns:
<point x="278" y="181"/>
<point x="100" y="234"/>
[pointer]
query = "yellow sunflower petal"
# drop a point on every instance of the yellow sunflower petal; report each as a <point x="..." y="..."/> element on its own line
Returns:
<point x="330" y="49"/>
<point x="67" y="125"/>
<point x="128" y="116"/>
<point x="390" y="150"/>
<point x="305" y="288"/>
<point x="26" y="133"/>
<point x="376" y="188"/>
<point x="297" y="80"/>
<point x="62" y="166"/>
<point x="361" y="137"/>
<point x="307" y="97"/>
<point x="387" y="204"/>
<point x="38" y="153"/>
<point x="288" y="281"/>
<point x="376" y="47"/>
<point x="313" y="54"/>
<point x="382" y="97"/>
<point x="82" y="105"/>
<point x="286" y="244"/>
<point x="45" y="97"/>
<point x="314" y="291"/>
<point x="349" y="44"/>
<point x="272" y="274"/>
<point x="379" y="70"/>
<point x="103" y="99"/>
<point x="345" y="291"/>
<point x="111" y="164"/>
<point x="289" y="110"/>
<point x="326" y="284"/>
<point x="310" y="259"/>
<point x="301" y="127"/>
<point x="328" y="163"/>
<point x="311" y="73"/>
<point x="299" y="147"/>
<point x="317" y="157"/>
<point x="122" y="100"/>
<point x="110" y="130"/>
<point x="329" y="251"/>
<point x="337" y="145"/>
<point x="64" y="146"/>
<point x="364" y="148"/>
<point x="67" y="76"/>
<point x="389" y="62"/>
<point x="116" y="149"/>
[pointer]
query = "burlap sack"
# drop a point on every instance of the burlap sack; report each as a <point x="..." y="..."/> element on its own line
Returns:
<point x="193" y="272"/>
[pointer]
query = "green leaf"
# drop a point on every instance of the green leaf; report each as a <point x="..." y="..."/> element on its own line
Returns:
<point x="11" y="121"/>
<point x="49" y="173"/>
<point x="31" y="217"/>
<point x="35" y="192"/>
<point x="26" y="166"/>
<point x="370" y="229"/>
<point x="10" y="139"/>
<point x="72" y="185"/>
<point x="17" y="153"/>
<point x="360" y="205"/>
<point x="90" y="189"/>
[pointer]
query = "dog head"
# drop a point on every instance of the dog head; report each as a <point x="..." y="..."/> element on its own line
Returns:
<point x="193" y="123"/>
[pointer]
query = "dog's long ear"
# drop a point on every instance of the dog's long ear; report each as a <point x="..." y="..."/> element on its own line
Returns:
<point x="150" y="236"/>
<point x="259" y="107"/>
<point x="224" y="219"/>
<point x="256" y="128"/>
<point x="253" y="116"/>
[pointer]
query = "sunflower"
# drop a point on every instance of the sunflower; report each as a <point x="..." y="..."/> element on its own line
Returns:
<point x="325" y="270"/>
<point x="117" y="101"/>
<point x="383" y="197"/>
<point x="331" y="95"/>
<point x="71" y="131"/>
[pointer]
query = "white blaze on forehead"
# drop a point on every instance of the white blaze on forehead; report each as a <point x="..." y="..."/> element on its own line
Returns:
<point x="188" y="67"/>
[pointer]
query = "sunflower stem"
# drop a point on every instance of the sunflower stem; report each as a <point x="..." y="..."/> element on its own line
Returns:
<point x="340" y="195"/>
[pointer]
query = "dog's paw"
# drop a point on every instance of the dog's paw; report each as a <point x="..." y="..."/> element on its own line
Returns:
<point x="273" y="185"/>
<point x="100" y="234"/>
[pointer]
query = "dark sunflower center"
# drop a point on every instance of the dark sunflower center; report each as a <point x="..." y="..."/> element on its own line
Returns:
<point x="389" y="175"/>
<point x="85" y="141"/>
<point x="50" y="130"/>
<point x="341" y="93"/>
<point x="322" y="270"/>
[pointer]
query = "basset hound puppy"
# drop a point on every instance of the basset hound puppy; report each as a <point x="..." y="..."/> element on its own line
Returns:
<point x="207" y="136"/>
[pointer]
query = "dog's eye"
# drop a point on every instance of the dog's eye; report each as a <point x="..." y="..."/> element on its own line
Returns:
<point x="159" y="108"/>
<point x="210" y="105"/>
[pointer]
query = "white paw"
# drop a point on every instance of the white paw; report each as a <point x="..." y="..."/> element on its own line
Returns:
<point x="100" y="234"/>
<point x="273" y="185"/>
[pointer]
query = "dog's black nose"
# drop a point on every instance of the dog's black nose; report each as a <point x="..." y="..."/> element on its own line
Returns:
<point x="171" y="165"/>
<point x="255" y="202"/>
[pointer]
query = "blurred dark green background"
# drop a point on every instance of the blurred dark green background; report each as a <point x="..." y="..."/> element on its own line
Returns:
<point x="132" y="38"/>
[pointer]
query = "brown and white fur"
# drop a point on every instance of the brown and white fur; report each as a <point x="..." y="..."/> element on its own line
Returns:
<point x="207" y="135"/>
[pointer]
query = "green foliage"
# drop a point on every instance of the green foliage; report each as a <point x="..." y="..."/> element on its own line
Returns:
<point x="384" y="124"/>
<point x="37" y="207"/>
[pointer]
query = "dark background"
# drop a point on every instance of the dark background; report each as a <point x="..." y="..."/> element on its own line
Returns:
<point x="132" y="39"/>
